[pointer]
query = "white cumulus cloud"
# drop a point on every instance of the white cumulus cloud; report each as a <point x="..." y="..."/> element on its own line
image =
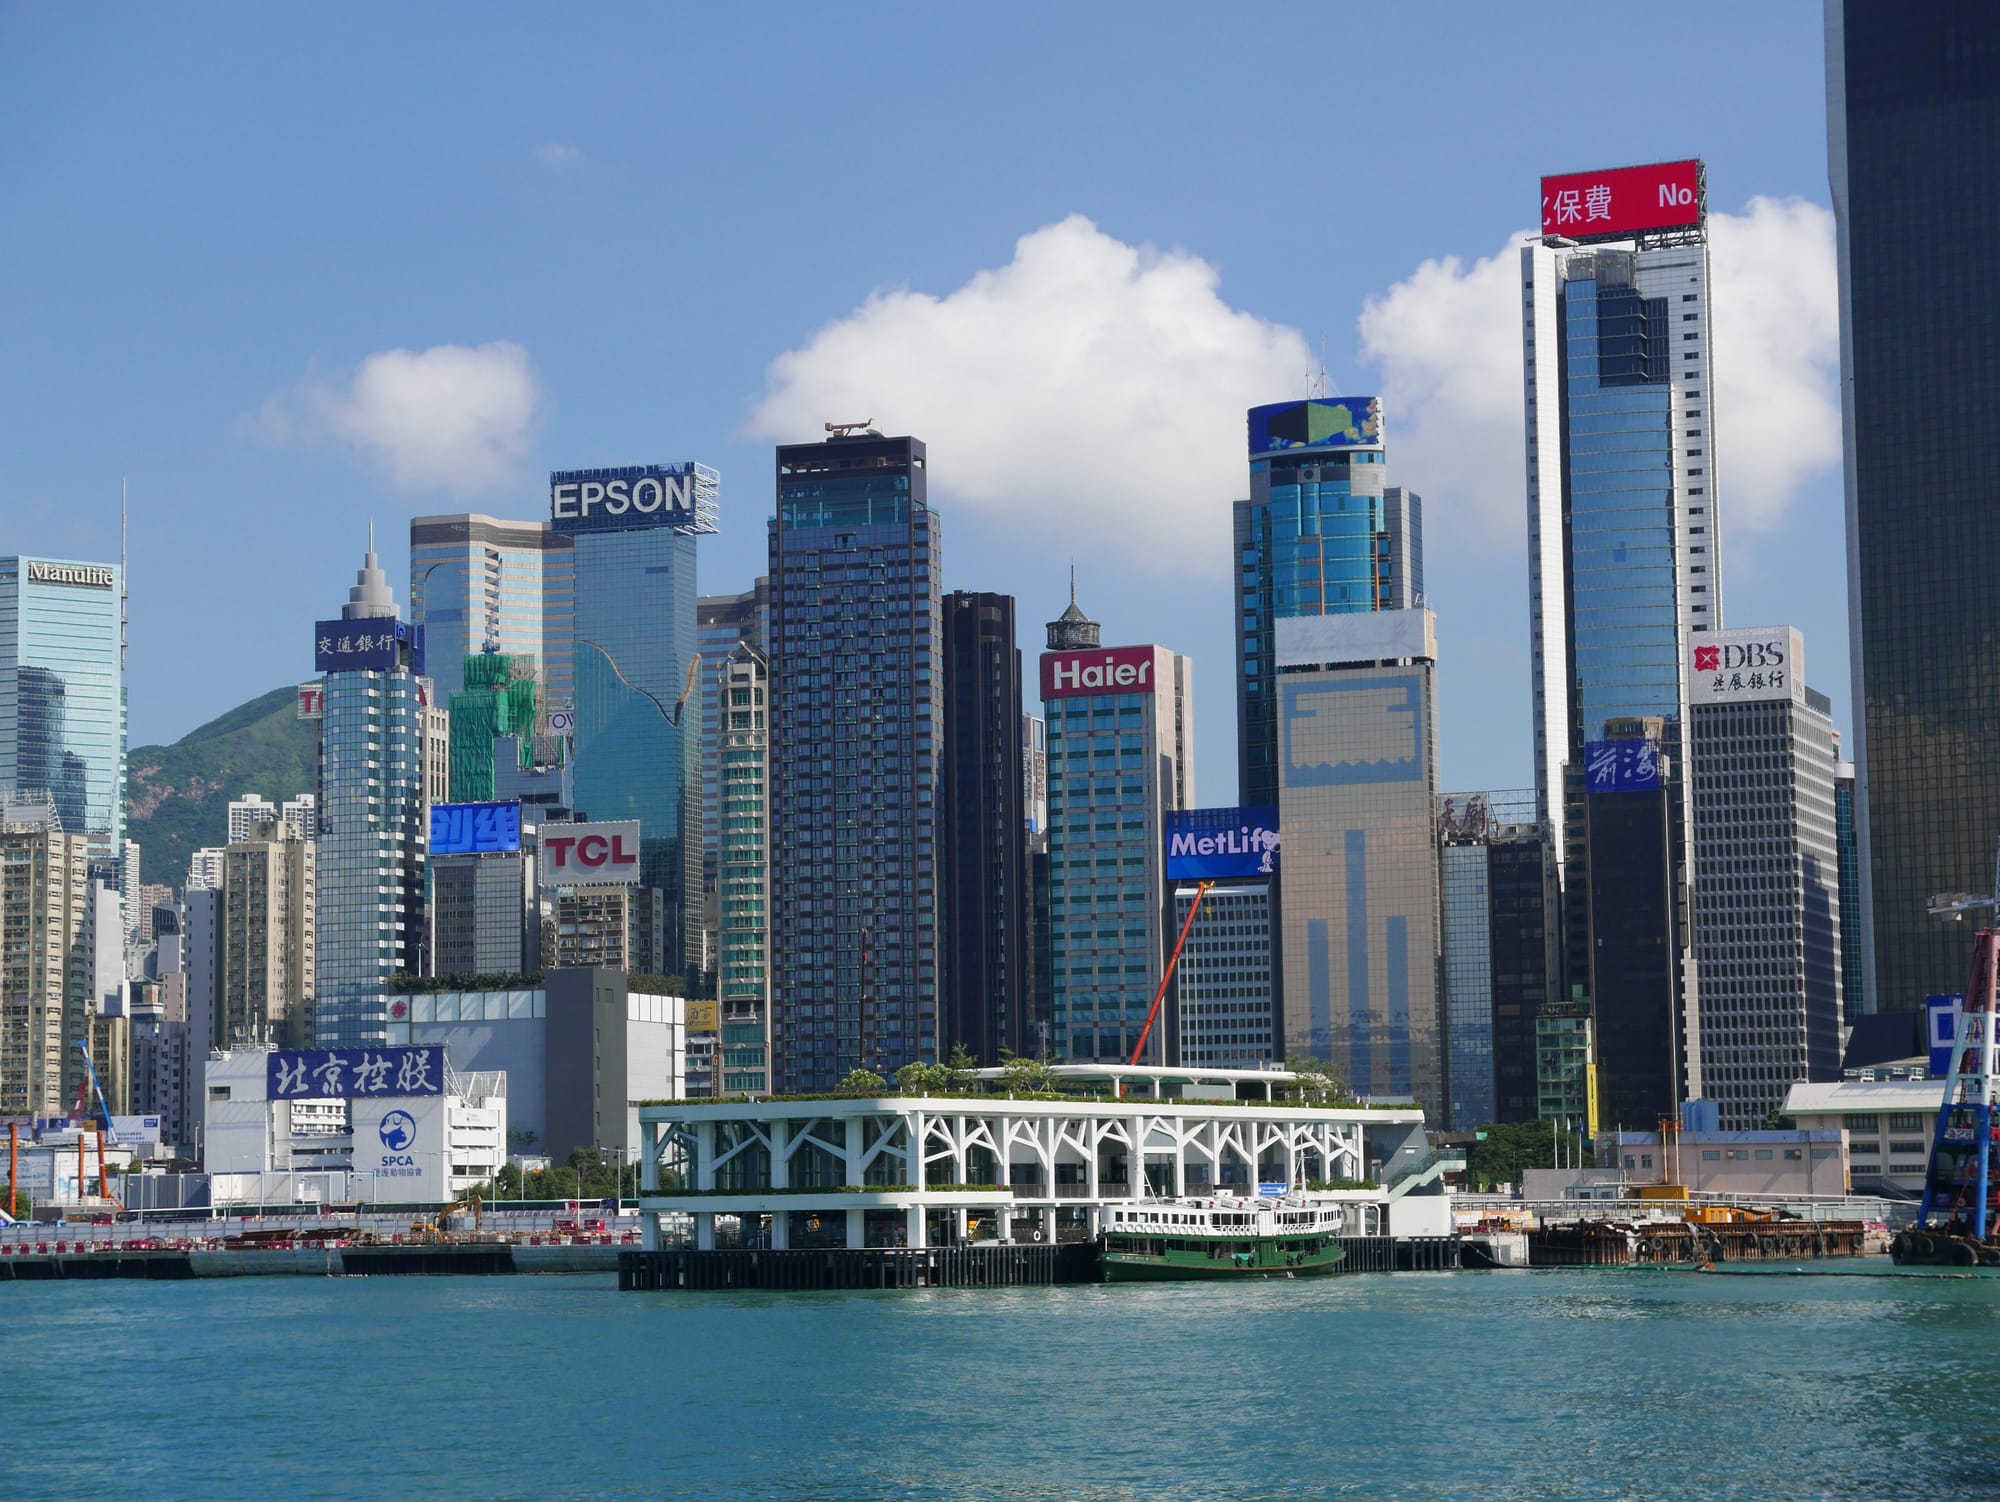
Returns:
<point x="1089" y="389"/>
<point x="452" y="417"/>
<point x="556" y="155"/>
<point x="1447" y="339"/>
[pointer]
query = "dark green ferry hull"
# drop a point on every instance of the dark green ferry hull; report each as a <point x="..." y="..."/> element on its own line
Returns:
<point x="1183" y="1267"/>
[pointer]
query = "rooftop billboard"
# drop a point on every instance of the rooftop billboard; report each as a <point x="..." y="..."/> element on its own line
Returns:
<point x="633" y="498"/>
<point x="475" y="828"/>
<point x="1622" y="766"/>
<point x="1621" y="201"/>
<point x="1321" y="422"/>
<point x="588" y="855"/>
<point x="1097" y="670"/>
<point x="1208" y="844"/>
<point x="1752" y="664"/>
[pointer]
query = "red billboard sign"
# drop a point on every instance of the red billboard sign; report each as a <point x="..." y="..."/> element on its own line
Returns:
<point x="1623" y="201"/>
<point x="1097" y="670"/>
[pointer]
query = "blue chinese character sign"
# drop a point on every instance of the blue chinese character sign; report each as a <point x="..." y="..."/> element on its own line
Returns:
<point x="376" y="644"/>
<point x="475" y="828"/>
<point x="1622" y="766"/>
<point x="353" y="1073"/>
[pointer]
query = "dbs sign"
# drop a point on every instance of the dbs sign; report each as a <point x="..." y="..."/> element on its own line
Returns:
<point x="579" y="855"/>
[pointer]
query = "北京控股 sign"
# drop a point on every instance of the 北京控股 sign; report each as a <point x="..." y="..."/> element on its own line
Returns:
<point x="1621" y="201"/>
<point x="1097" y="670"/>
<point x="582" y="855"/>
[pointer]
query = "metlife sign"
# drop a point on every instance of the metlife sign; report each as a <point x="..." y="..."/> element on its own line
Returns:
<point x="638" y="497"/>
<point x="1209" y="844"/>
<point x="1746" y="665"/>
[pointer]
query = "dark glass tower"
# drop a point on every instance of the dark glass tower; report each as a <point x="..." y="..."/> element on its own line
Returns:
<point x="982" y="832"/>
<point x="1913" y="134"/>
<point x="857" y="710"/>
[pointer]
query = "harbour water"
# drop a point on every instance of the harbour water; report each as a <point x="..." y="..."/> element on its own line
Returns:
<point x="1843" y="1382"/>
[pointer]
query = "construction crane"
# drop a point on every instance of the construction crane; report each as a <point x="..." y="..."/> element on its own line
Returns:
<point x="1166" y="979"/>
<point x="81" y="1110"/>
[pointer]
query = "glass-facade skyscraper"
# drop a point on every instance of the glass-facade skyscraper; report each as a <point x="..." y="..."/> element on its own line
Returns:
<point x="982" y="833"/>
<point x="62" y="693"/>
<point x="1323" y="533"/>
<point x="638" y="723"/>
<point x="1913" y="138"/>
<point x="478" y="584"/>
<point x="373" y="831"/>
<point x="1121" y="756"/>
<point x="1624" y="563"/>
<point x="857" y="726"/>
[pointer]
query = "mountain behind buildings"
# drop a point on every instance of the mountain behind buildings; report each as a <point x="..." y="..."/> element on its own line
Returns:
<point x="178" y="798"/>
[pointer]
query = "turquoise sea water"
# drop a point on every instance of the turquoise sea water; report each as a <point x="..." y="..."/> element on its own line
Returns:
<point x="1476" y="1385"/>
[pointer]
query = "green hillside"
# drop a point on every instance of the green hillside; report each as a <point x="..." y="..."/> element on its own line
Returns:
<point x="179" y="795"/>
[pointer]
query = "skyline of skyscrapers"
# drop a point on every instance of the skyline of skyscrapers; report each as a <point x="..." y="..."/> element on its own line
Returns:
<point x="857" y="724"/>
<point x="1913" y="160"/>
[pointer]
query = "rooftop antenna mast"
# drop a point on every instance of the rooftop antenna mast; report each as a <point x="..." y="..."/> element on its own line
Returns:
<point x="124" y="578"/>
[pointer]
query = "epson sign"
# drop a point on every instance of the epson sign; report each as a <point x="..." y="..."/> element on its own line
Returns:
<point x="618" y="500"/>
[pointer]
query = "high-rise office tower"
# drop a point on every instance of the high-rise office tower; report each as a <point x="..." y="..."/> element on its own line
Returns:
<point x="857" y="726"/>
<point x="1913" y="151"/>
<point x="269" y="909"/>
<point x="638" y="731"/>
<point x="369" y="860"/>
<point x="1357" y="793"/>
<point x="721" y="624"/>
<point x="985" y="912"/>
<point x="45" y="965"/>
<point x="1501" y="950"/>
<point x="1121" y="756"/>
<point x="1767" y="892"/>
<point x="1323" y="533"/>
<point x="743" y="871"/>
<point x="478" y="584"/>
<point x="62" y="693"/>
<point x="1853" y="986"/>
<point x="1623" y="563"/>
<point x="1224" y="987"/>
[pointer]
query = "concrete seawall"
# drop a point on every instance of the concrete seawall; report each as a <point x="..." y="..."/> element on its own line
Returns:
<point x="472" y="1259"/>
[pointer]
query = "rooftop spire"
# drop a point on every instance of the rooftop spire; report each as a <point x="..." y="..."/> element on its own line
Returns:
<point x="1073" y="629"/>
<point x="370" y="598"/>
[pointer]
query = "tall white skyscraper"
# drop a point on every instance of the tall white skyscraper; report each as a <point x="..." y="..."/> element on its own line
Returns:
<point x="1624" y="565"/>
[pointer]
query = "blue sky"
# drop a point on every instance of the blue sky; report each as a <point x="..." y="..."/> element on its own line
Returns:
<point x="217" y="215"/>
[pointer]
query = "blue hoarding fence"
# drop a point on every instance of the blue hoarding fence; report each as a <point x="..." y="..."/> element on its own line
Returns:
<point x="1621" y="766"/>
<point x="348" y="1073"/>
<point x="1206" y="844"/>
<point x="1941" y="1029"/>
<point x="475" y="828"/>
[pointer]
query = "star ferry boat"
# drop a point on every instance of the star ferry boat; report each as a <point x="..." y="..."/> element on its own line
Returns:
<point x="1221" y="1237"/>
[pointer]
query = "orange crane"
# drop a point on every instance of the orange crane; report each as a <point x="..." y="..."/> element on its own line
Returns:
<point x="1166" y="979"/>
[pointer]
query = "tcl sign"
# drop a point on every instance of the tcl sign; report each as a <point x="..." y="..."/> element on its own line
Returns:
<point x="577" y="855"/>
<point x="1622" y="201"/>
<point x="1097" y="670"/>
<point x="1752" y="663"/>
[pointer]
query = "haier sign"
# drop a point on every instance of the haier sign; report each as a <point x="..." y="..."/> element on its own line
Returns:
<point x="1204" y="844"/>
<point x="588" y="855"/>
<point x="1097" y="670"/>
<point x="634" y="497"/>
